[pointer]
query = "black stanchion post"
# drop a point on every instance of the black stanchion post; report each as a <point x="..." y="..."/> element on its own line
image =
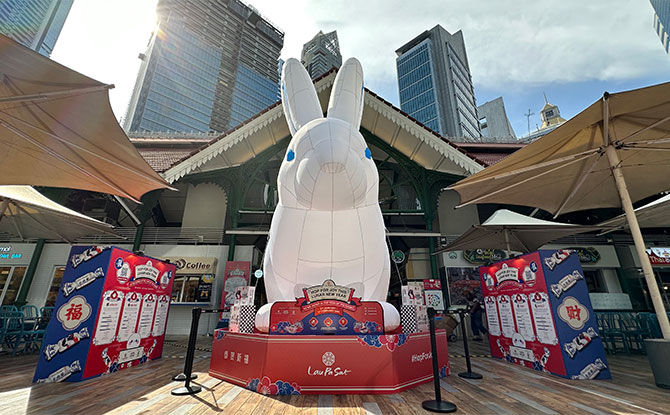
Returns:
<point x="182" y="376"/>
<point x="437" y="405"/>
<point x="469" y="374"/>
<point x="188" y="389"/>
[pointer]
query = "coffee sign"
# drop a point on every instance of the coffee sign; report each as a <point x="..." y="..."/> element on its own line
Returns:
<point x="193" y="265"/>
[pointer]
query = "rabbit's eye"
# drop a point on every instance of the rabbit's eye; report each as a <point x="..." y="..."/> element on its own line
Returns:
<point x="368" y="153"/>
<point x="290" y="155"/>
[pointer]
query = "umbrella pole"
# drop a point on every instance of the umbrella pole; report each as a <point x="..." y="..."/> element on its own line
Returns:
<point x="627" y="205"/>
<point x="508" y="251"/>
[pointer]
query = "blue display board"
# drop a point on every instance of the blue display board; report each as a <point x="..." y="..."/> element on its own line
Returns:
<point x="575" y="320"/>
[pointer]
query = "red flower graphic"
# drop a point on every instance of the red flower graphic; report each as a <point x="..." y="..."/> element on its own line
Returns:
<point x="266" y="387"/>
<point x="390" y="341"/>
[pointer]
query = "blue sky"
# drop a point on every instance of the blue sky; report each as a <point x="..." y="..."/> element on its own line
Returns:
<point x="572" y="50"/>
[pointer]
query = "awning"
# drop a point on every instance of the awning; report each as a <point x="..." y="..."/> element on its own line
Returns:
<point x="28" y="214"/>
<point x="57" y="129"/>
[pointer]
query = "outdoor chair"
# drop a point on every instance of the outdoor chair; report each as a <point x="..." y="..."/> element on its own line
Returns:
<point x="649" y="324"/>
<point x="46" y="312"/>
<point x="634" y="332"/>
<point x="8" y="308"/>
<point x="16" y="334"/>
<point x="612" y="333"/>
<point x="30" y="312"/>
<point x="3" y="326"/>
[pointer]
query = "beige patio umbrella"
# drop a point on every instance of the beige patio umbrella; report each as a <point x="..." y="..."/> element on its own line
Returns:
<point x="613" y="153"/>
<point x="57" y="129"/>
<point x="513" y="231"/>
<point x="28" y="214"/>
<point x="655" y="214"/>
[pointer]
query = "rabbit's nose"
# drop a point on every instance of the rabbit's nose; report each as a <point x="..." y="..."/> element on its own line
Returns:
<point x="332" y="167"/>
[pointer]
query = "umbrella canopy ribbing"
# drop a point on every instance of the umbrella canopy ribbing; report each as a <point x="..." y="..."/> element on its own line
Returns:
<point x="652" y="215"/>
<point x="28" y="214"/>
<point x="514" y="232"/>
<point x="613" y="153"/>
<point x="57" y="129"/>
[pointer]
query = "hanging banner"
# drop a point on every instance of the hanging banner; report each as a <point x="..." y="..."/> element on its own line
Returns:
<point x="540" y="316"/>
<point x="236" y="274"/>
<point x="105" y="316"/>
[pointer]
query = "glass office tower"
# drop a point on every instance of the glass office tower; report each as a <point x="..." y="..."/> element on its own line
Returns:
<point x="321" y="54"/>
<point x="662" y="21"/>
<point x="435" y="85"/>
<point x="207" y="68"/>
<point x="34" y="23"/>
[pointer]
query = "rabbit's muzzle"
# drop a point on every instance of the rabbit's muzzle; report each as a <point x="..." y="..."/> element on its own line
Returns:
<point x="330" y="180"/>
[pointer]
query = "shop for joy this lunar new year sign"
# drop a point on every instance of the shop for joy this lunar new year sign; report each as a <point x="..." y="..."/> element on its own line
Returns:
<point x="540" y="315"/>
<point x="110" y="314"/>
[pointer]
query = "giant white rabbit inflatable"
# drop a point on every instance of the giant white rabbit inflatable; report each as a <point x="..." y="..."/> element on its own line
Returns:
<point x="328" y="224"/>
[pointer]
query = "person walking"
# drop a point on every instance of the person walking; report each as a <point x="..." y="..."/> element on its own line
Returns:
<point x="476" y="311"/>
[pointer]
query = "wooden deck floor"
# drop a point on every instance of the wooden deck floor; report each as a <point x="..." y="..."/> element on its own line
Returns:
<point x="505" y="389"/>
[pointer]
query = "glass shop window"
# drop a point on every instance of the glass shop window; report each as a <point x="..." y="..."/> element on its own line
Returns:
<point x="594" y="281"/>
<point x="192" y="289"/>
<point x="11" y="279"/>
<point x="55" y="286"/>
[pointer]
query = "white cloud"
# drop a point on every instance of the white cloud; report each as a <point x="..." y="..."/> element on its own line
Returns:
<point x="508" y="42"/>
<point x="511" y="44"/>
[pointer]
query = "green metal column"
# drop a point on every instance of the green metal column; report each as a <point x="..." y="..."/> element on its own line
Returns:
<point x="139" y="231"/>
<point x="231" y="248"/>
<point x="30" y="273"/>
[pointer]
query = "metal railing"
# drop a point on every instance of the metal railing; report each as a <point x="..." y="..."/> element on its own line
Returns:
<point x="158" y="236"/>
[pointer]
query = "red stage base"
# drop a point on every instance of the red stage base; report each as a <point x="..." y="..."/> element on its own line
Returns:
<point x="293" y="365"/>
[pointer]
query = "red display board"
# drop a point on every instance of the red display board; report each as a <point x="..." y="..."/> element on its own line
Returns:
<point x="293" y="365"/>
<point x="508" y="299"/>
<point x="110" y="314"/>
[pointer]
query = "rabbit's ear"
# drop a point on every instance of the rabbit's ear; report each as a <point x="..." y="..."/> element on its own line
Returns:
<point x="346" y="98"/>
<point x="298" y="96"/>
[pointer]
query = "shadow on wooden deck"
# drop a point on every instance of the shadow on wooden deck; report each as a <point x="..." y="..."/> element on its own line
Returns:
<point x="505" y="389"/>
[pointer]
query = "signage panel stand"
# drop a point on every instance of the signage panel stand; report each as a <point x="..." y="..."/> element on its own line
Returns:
<point x="540" y="315"/>
<point x="110" y="314"/>
<point x="436" y="405"/>
<point x="469" y="374"/>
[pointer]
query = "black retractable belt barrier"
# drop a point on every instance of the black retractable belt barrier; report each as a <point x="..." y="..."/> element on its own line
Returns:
<point x="469" y="374"/>
<point x="437" y="405"/>
<point x="189" y="389"/>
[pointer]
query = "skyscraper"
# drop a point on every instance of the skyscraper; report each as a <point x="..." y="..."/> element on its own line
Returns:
<point x="34" y="23"/>
<point x="435" y="84"/>
<point x="662" y="21"/>
<point x="321" y="54"/>
<point x="493" y="121"/>
<point x="208" y="67"/>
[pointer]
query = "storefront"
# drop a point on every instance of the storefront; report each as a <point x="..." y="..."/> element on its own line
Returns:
<point x="599" y="263"/>
<point x="14" y="261"/>
<point x="660" y="262"/>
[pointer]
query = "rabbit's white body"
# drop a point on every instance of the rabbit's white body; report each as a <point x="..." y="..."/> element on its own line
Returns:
<point x="328" y="224"/>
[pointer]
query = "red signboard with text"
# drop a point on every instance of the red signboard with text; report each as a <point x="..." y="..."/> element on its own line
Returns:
<point x="327" y="309"/>
<point x="294" y="365"/>
<point x="236" y="274"/>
